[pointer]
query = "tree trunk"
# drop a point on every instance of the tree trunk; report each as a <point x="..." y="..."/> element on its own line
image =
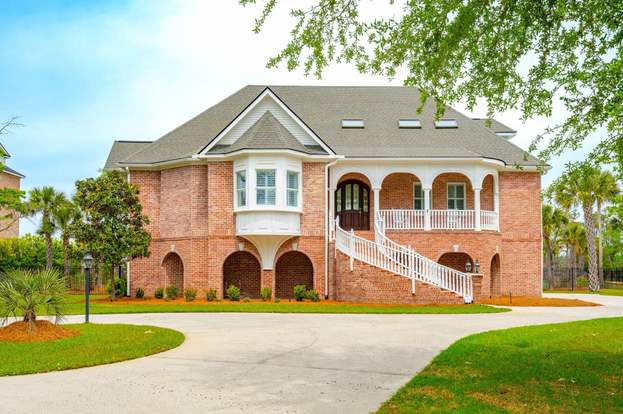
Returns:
<point x="65" y="255"/>
<point x="601" y="247"/>
<point x="548" y="266"/>
<point x="112" y="283"/>
<point x="593" y="276"/>
<point x="48" y="256"/>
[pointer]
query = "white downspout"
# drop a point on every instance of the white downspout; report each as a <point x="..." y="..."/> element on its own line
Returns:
<point x="327" y="228"/>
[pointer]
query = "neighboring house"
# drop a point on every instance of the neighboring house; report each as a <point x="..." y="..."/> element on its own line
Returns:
<point x="347" y="190"/>
<point x="9" y="178"/>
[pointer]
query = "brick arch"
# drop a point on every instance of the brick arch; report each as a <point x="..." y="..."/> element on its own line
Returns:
<point x="242" y="269"/>
<point x="174" y="271"/>
<point x="397" y="190"/>
<point x="456" y="260"/>
<point x="495" y="274"/>
<point x="293" y="268"/>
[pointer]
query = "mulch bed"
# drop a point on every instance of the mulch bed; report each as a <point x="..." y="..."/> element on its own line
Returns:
<point x="535" y="301"/>
<point x="42" y="331"/>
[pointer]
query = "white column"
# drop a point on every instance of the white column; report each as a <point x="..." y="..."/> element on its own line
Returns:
<point x="331" y="206"/>
<point x="377" y="203"/>
<point x="427" y="208"/>
<point x="496" y="207"/>
<point x="477" y="208"/>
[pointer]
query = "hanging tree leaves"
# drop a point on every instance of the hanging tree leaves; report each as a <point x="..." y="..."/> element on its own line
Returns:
<point x="510" y="54"/>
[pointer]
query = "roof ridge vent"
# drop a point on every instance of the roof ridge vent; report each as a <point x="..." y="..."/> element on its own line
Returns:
<point x="445" y="123"/>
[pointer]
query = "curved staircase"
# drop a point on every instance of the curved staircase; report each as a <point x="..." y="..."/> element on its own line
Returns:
<point x="401" y="260"/>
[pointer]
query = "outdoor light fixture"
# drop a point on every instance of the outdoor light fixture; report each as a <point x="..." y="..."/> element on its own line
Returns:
<point x="476" y="266"/>
<point x="87" y="262"/>
<point x="468" y="266"/>
<point x="241" y="246"/>
<point x="295" y="246"/>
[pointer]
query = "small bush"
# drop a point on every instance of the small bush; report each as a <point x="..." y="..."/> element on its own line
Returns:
<point x="140" y="293"/>
<point x="581" y="282"/>
<point x="171" y="292"/>
<point x="120" y="285"/>
<point x="300" y="292"/>
<point x="211" y="295"/>
<point x="159" y="293"/>
<point x="190" y="294"/>
<point x="277" y="300"/>
<point x="246" y="299"/>
<point x="233" y="293"/>
<point x="266" y="293"/>
<point x="313" y="295"/>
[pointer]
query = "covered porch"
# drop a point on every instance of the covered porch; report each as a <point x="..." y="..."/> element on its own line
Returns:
<point x="410" y="198"/>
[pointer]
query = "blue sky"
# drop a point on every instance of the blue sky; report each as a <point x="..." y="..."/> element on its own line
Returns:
<point x="81" y="74"/>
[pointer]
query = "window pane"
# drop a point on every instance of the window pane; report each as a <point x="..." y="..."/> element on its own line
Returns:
<point x="261" y="178"/>
<point x="451" y="204"/>
<point x="418" y="191"/>
<point x="355" y="196"/>
<point x="242" y="198"/>
<point x="270" y="197"/>
<point x="459" y="191"/>
<point x="270" y="178"/>
<point x="338" y="200"/>
<point x="460" y="204"/>
<point x="241" y="179"/>
<point x="293" y="198"/>
<point x="418" y="204"/>
<point x="451" y="192"/>
<point x="418" y="197"/>
<point x="261" y="197"/>
<point x="293" y="180"/>
<point x="365" y="200"/>
<point x="348" y="195"/>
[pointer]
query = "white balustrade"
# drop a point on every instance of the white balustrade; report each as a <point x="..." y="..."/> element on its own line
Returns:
<point x="398" y="219"/>
<point x="401" y="260"/>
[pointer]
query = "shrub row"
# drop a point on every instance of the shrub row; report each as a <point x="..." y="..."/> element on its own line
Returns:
<point x="233" y="293"/>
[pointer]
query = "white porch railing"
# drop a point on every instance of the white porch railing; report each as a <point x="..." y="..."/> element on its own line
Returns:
<point x="401" y="260"/>
<point x="398" y="219"/>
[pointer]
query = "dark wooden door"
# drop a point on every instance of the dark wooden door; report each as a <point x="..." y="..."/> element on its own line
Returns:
<point x="352" y="205"/>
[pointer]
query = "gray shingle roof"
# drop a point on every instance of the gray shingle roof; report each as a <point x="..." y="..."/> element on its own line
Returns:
<point x="494" y="125"/>
<point x="267" y="133"/>
<point x="121" y="150"/>
<point x="12" y="171"/>
<point x="323" y="107"/>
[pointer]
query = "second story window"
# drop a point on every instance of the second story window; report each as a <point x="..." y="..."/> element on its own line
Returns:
<point x="418" y="197"/>
<point x="293" y="189"/>
<point x="241" y="188"/>
<point x="456" y="196"/>
<point x="265" y="185"/>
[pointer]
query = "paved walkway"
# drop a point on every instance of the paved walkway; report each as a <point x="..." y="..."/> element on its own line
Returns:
<point x="270" y="363"/>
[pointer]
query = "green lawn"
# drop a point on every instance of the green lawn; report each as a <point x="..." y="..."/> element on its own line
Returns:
<point x="96" y="345"/>
<point x="572" y="367"/>
<point x="606" y="292"/>
<point x="76" y="307"/>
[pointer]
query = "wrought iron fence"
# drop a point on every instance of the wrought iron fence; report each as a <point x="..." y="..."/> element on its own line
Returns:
<point x="577" y="278"/>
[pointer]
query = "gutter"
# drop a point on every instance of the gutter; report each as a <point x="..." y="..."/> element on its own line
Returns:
<point x="327" y="228"/>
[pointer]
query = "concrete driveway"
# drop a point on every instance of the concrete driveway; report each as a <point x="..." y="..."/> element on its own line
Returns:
<point x="269" y="363"/>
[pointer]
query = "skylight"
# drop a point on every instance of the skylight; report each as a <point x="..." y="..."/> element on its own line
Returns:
<point x="352" y="123"/>
<point x="409" y="123"/>
<point x="446" y="123"/>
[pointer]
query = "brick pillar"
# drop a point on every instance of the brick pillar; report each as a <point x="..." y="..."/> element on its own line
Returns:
<point x="268" y="280"/>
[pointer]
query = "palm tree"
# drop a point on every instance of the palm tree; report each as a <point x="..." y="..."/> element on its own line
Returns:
<point x="554" y="222"/>
<point x="605" y="191"/>
<point x="44" y="200"/>
<point x="574" y="236"/>
<point x="26" y="292"/>
<point x="577" y="186"/>
<point x="64" y="216"/>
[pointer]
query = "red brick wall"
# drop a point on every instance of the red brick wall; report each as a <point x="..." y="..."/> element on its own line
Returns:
<point x="9" y="181"/>
<point x="293" y="268"/>
<point x="520" y="225"/>
<point x="440" y="190"/>
<point x="242" y="270"/>
<point x="174" y="272"/>
<point x="457" y="261"/>
<point x="397" y="191"/>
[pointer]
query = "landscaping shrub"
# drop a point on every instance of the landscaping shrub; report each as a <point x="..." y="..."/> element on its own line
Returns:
<point x="120" y="286"/>
<point x="313" y="295"/>
<point x="159" y="294"/>
<point x="211" y="295"/>
<point x="277" y="300"/>
<point x="190" y="294"/>
<point x="171" y="292"/>
<point x="300" y="292"/>
<point x="233" y="293"/>
<point x="266" y="293"/>
<point x="140" y="293"/>
<point x="29" y="252"/>
<point x="246" y="299"/>
<point x="581" y="282"/>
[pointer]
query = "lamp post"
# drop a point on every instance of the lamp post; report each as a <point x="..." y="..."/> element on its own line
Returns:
<point x="87" y="261"/>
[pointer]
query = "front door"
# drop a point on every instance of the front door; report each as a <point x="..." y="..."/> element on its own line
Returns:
<point x="352" y="205"/>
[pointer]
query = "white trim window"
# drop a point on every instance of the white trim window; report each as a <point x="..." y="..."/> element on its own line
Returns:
<point x="265" y="187"/>
<point x="418" y="196"/>
<point x="456" y="196"/>
<point x="292" y="190"/>
<point x="241" y="188"/>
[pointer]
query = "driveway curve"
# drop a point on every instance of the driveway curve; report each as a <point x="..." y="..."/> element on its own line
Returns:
<point x="270" y="363"/>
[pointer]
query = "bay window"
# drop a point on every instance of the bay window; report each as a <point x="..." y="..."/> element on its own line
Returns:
<point x="292" y="191"/>
<point x="241" y="188"/>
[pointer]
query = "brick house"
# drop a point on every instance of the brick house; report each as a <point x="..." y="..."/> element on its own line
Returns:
<point x="348" y="190"/>
<point x="9" y="178"/>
